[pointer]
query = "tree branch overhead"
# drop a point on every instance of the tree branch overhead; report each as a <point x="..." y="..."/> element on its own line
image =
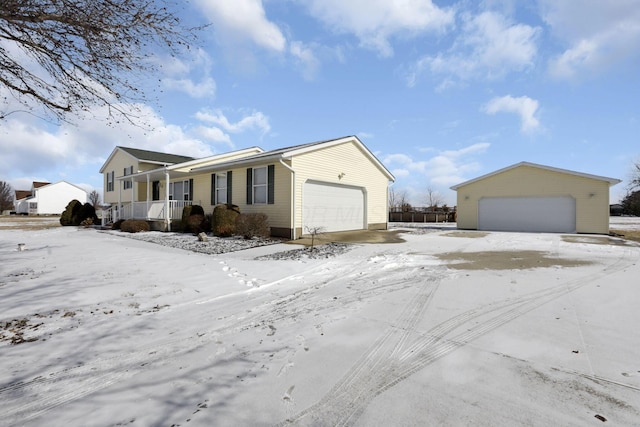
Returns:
<point x="67" y="56"/>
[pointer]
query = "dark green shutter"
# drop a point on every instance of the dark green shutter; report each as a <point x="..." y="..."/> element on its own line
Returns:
<point x="213" y="189"/>
<point x="191" y="189"/>
<point x="270" y="183"/>
<point x="229" y="188"/>
<point x="155" y="190"/>
<point x="249" y="186"/>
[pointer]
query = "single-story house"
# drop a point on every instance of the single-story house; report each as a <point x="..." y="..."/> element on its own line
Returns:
<point x="45" y="198"/>
<point x="335" y="185"/>
<point x="535" y="198"/>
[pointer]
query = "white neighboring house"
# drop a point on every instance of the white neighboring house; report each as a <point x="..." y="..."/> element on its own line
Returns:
<point x="49" y="199"/>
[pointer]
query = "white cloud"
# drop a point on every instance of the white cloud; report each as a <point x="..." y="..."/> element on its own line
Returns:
<point x="30" y="149"/>
<point x="306" y="59"/>
<point x="490" y="46"/>
<point x="205" y="88"/>
<point x="598" y="34"/>
<point x="440" y="171"/>
<point x="374" y="22"/>
<point x="254" y="121"/>
<point x="214" y="134"/>
<point x="523" y="106"/>
<point x="243" y="21"/>
<point x="189" y="75"/>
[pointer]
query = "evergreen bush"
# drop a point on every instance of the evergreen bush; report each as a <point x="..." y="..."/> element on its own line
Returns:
<point x="72" y="209"/>
<point x="86" y="211"/>
<point x="223" y="221"/>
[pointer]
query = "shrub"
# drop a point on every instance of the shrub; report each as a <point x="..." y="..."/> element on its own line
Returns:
<point x="223" y="221"/>
<point x="86" y="211"/>
<point x="116" y="225"/>
<point x="134" y="226"/>
<point x="196" y="223"/>
<point x="184" y="223"/>
<point x="197" y="210"/>
<point x="88" y="222"/>
<point x="253" y="225"/>
<point x="66" y="218"/>
<point x="187" y="224"/>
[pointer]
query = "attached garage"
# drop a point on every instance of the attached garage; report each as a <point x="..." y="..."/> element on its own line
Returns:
<point x="333" y="207"/>
<point x="532" y="214"/>
<point x="529" y="197"/>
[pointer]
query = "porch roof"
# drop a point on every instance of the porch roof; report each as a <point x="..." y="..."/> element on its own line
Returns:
<point x="154" y="175"/>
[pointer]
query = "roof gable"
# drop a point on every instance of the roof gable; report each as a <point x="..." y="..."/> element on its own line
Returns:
<point x="38" y="184"/>
<point x="288" y="152"/>
<point x="147" y="156"/>
<point x="22" y="194"/>
<point x="611" y="181"/>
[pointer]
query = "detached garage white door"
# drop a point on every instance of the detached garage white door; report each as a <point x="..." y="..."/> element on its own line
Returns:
<point x="534" y="214"/>
<point x="332" y="207"/>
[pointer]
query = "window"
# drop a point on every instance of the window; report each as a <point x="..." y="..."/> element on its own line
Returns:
<point x="221" y="188"/>
<point x="128" y="171"/>
<point x="180" y="190"/>
<point x="260" y="185"/>
<point x="110" y="179"/>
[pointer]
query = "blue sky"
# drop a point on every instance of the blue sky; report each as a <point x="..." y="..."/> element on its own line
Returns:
<point x="441" y="92"/>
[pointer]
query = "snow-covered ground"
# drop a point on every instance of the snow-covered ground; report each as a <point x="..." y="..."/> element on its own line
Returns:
<point x="448" y="328"/>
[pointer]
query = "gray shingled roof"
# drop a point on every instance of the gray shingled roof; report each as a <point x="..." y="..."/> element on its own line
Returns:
<point x="155" y="156"/>
<point x="285" y="149"/>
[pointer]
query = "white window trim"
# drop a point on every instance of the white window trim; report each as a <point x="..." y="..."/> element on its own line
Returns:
<point x="110" y="179"/>
<point x="185" y="190"/>
<point x="128" y="184"/>
<point x="221" y="189"/>
<point x="256" y="187"/>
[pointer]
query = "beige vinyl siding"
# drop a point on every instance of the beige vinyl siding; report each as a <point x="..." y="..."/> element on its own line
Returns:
<point x="591" y="195"/>
<point x="117" y="164"/>
<point x="327" y="164"/>
<point x="279" y="213"/>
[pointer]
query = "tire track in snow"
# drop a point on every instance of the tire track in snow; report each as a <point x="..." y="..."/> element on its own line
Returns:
<point x="378" y="370"/>
<point x="28" y="400"/>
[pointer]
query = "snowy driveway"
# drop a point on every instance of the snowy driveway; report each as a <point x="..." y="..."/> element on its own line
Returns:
<point x="448" y="328"/>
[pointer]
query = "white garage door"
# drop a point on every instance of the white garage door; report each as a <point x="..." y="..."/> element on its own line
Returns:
<point x="536" y="214"/>
<point x="332" y="207"/>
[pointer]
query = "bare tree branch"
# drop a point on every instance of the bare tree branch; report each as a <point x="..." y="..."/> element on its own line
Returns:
<point x="67" y="56"/>
<point x="6" y="196"/>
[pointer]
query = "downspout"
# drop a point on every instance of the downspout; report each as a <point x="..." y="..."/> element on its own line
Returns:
<point x="293" y="199"/>
<point x="167" y="213"/>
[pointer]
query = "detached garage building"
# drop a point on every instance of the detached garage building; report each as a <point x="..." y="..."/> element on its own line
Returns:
<point x="535" y="198"/>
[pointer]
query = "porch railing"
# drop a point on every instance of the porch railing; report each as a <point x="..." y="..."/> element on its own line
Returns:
<point x="155" y="210"/>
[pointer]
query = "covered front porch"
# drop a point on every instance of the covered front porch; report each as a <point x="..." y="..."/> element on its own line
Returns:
<point x="158" y="204"/>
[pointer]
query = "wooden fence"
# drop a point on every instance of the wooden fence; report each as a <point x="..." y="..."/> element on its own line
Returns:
<point x="421" y="215"/>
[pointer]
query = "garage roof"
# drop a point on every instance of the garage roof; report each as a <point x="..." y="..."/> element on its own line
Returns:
<point x="611" y="181"/>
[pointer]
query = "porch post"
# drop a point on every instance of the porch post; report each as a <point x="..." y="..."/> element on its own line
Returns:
<point x="119" y="199"/>
<point x="148" y="197"/>
<point x="133" y="199"/>
<point x="167" y="212"/>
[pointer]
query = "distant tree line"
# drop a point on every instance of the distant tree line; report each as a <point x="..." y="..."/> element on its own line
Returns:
<point x="631" y="202"/>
